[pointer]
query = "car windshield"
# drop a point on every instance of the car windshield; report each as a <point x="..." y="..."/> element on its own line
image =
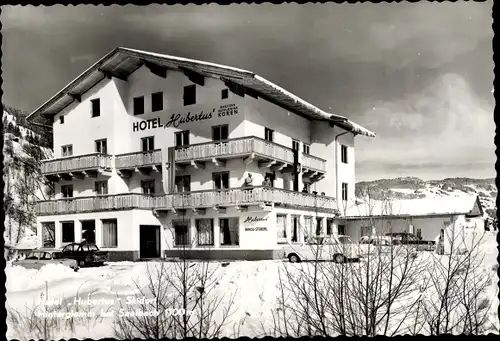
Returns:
<point x="33" y="255"/>
<point x="345" y="240"/>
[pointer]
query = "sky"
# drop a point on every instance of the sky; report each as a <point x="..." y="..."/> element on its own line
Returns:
<point x="420" y="75"/>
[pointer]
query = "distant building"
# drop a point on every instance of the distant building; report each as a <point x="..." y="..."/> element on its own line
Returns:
<point x="151" y="153"/>
<point x="423" y="217"/>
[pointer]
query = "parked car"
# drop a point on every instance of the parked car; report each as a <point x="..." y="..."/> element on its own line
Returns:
<point x="406" y="238"/>
<point x="40" y="257"/>
<point x="340" y="249"/>
<point x="86" y="254"/>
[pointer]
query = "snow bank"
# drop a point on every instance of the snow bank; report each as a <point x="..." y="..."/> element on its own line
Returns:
<point x="22" y="279"/>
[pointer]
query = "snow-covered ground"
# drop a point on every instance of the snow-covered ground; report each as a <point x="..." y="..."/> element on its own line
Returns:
<point x="254" y="285"/>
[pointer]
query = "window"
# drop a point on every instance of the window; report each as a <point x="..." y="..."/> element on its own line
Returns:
<point x="183" y="183"/>
<point x="229" y="228"/>
<point x="319" y="221"/>
<point x="220" y="132"/>
<point x="157" y="101"/>
<point x="109" y="233"/>
<point x="295" y="229"/>
<point x="306" y="148"/>
<point x="148" y="186"/>
<point x="419" y="233"/>
<point x="329" y="225"/>
<point x="295" y="145"/>
<point x="68" y="231"/>
<point x="101" y="187"/>
<point x="189" y="95"/>
<point x="281" y="227"/>
<point x="182" y="138"/>
<point x="49" y="234"/>
<point x="96" y="107"/>
<point x="61" y="119"/>
<point x="344" y="191"/>
<point x="139" y="105"/>
<point x="67" y="150"/>
<point x="224" y="93"/>
<point x="308" y="225"/>
<point x="88" y="231"/>
<point x="101" y="146"/>
<point x="221" y="180"/>
<point x="341" y="230"/>
<point x="343" y="153"/>
<point x="67" y="191"/>
<point x="148" y="143"/>
<point x="269" y="134"/>
<point x="181" y="233"/>
<point x="205" y="232"/>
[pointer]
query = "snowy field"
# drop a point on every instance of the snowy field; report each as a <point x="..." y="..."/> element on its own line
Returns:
<point x="254" y="285"/>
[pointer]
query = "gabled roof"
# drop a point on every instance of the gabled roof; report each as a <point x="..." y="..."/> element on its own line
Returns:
<point x="468" y="205"/>
<point x="122" y="62"/>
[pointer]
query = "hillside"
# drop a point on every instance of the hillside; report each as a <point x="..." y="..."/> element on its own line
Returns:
<point x="23" y="151"/>
<point x="415" y="188"/>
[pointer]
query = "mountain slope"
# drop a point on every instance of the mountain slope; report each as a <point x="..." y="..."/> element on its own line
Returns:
<point x="23" y="182"/>
<point x="415" y="188"/>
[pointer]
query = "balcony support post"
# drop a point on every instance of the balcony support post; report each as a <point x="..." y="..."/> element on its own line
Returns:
<point x="249" y="159"/>
<point x="267" y="164"/>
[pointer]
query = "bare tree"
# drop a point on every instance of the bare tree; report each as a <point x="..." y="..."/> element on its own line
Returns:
<point x="183" y="299"/>
<point x="456" y="300"/>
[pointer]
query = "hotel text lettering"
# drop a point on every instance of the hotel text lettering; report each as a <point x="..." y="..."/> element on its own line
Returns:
<point x="179" y="119"/>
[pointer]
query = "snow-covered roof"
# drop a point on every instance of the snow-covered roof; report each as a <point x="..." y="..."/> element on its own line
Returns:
<point x="466" y="204"/>
<point x="122" y="62"/>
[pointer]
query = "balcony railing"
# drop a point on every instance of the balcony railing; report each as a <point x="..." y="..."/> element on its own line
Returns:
<point x="313" y="163"/>
<point x="244" y="196"/>
<point x="100" y="203"/>
<point x="138" y="159"/>
<point x="76" y="163"/>
<point x="234" y="147"/>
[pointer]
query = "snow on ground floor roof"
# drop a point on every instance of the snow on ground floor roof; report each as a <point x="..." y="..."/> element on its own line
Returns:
<point x="466" y="204"/>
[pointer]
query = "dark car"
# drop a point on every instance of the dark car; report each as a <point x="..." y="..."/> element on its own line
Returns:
<point x="86" y="254"/>
<point x="406" y="238"/>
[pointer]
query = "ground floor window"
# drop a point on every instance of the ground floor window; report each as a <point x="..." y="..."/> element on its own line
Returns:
<point x="181" y="233"/>
<point x="419" y="233"/>
<point x="205" y="232"/>
<point x="318" y="225"/>
<point x="88" y="231"/>
<point x="295" y="229"/>
<point x="229" y="231"/>
<point x="329" y="226"/>
<point x="49" y="234"/>
<point x="281" y="226"/>
<point x="68" y="231"/>
<point x="308" y="225"/>
<point x="109" y="233"/>
<point x="341" y="230"/>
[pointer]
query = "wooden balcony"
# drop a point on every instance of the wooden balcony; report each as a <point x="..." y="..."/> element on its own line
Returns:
<point x="138" y="162"/>
<point x="100" y="203"/>
<point x="267" y="154"/>
<point x="313" y="167"/>
<point x="241" y="197"/>
<point x="79" y="166"/>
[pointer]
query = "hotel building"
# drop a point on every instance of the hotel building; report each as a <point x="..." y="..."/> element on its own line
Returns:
<point x="152" y="155"/>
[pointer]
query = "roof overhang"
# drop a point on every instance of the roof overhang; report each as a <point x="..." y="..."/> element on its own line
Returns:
<point x="121" y="62"/>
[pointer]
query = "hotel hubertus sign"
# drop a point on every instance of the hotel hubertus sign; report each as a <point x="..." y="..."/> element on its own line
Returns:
<point x="177" y="120"/>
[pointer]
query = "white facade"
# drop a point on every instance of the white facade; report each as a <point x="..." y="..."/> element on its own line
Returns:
<point x="215" y="105"/>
